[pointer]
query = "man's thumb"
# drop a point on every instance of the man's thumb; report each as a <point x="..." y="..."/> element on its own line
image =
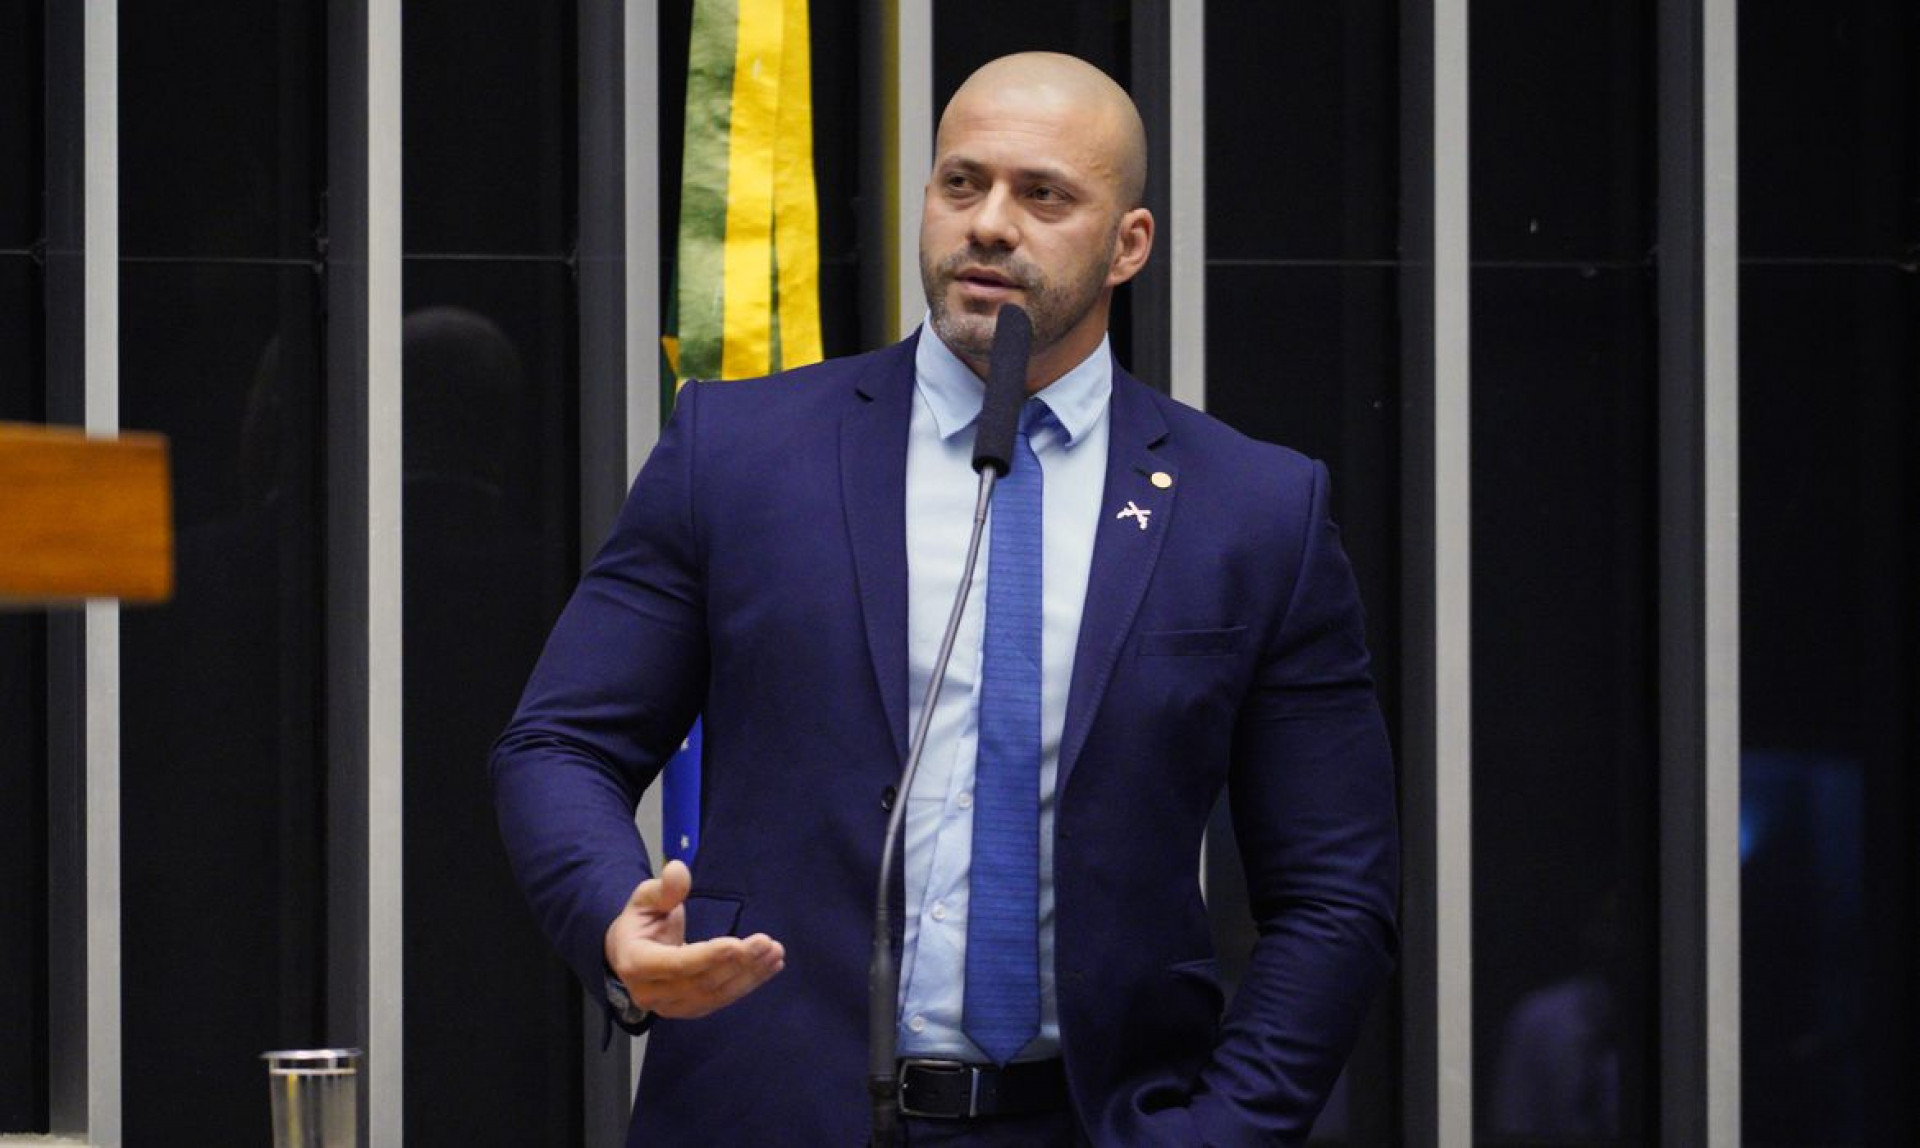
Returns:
<point x="663" y="894"/>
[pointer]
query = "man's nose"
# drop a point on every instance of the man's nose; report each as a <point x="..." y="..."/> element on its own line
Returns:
<point x="994" y="223"/>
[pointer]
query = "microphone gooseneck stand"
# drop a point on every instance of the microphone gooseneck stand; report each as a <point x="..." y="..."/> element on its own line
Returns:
<point x="992" y="456"/>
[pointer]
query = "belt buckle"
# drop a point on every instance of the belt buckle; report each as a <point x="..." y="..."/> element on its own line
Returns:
<point x="946" y="1067"/>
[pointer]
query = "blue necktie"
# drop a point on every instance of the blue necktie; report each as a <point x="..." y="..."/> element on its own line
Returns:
<point x="1002" y="1003"/>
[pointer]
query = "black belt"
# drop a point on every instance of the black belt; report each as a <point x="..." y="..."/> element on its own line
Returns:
<point x="955" y="1090"/>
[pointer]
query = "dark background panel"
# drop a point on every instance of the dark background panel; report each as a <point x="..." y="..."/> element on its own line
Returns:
<point x="23" y="656"/>
<point x="22" y="338"/>
<point x="1562" y="108"/>
<point x="23" y="874"/>
<point x="22" y="111"/>
<point x="1564" y="713"/>
<point x="1308" y="356"/>
<point x="1830" y="130"/>
<point x="676" y="31"/>
<point x="1830" y="621"/>
<point x="837" y="98"/>
<point x="506" y="329"/>
<point x="23" y="755"/>
<point x="232" y="389"/>
<point x="489" y="109"/>
<point x="492" y="1015"/>
<point x="968" y="33"/>
<point x="222" y="130"/>
<point x="1830" y="668"/>
<point x="221" y="765"/>
<point x="1302" y="139"/>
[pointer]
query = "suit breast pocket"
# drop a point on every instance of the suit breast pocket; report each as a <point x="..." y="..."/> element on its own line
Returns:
<point x="711" y="915"/>
<point x="1192" y="643"/>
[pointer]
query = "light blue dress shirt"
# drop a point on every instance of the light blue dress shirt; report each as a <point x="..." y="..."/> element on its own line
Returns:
<point x="941" y="488"/>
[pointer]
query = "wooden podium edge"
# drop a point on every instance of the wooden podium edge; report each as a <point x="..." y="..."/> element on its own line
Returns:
<point x="83" y="517"/>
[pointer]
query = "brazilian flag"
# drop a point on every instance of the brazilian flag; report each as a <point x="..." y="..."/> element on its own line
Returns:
<point x="746" y="300"/>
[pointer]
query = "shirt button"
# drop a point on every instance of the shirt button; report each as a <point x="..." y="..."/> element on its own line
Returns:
<point x="918" y="1024"/>
<point x="939" y="912"/>
<point x="966" y="799"/>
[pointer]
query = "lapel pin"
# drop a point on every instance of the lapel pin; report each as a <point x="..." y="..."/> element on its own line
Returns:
<point x="1161" y="479"/>
<point x="1138" y="514"/>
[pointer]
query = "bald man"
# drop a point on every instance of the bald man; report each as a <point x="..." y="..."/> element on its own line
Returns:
<point x="785" y="565"/>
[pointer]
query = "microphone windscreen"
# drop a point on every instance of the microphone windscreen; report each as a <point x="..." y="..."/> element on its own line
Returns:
<point x="1006" y="390"/>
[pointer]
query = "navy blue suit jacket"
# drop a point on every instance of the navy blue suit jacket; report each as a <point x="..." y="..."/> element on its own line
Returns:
<point x="758" y="575"/>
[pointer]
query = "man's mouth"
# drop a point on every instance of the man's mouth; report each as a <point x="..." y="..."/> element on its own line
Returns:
<point x="986" y="280"/>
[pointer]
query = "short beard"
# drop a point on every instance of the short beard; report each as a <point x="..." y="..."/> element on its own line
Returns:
<point x="1054" y="309"/>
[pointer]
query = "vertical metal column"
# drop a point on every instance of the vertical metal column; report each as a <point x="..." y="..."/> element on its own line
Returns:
<point x="601" y="260"/>
<point x="1453" y="581"/>
<point x="364" y="897"/>
<point x="616" y="51"/>
<point x="1149" y="80"/>
<point x="1186" y="164"/>
<point x="1699" y="575"/>
<point x="641" y="64"/>
<point x="385" y="856"/>
<point x="913" y="149"/>
<point x="641" y="132"/>
<point x="1436" y="760"/>
<point x="83" y="387"/>
<point x="897" y="71"/>
<point x="1720" y="250"/>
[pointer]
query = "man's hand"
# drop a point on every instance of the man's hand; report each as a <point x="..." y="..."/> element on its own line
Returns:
<point x="646" y="948"/>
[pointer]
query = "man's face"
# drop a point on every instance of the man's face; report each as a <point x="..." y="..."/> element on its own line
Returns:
<point x="1021" y="207"/>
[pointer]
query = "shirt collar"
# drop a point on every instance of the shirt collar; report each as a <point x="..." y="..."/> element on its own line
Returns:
<point x="954" y="393"/>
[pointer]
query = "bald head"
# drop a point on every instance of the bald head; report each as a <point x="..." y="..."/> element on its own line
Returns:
<point x="1066" y="85"/>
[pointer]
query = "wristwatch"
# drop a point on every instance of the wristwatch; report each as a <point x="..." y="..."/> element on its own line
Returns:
<point x="620" y="1002"/>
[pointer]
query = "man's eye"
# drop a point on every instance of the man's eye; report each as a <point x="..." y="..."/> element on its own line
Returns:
<point x="1047" y="194"/>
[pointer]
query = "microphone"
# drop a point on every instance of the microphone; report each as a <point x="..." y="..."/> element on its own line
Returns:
<point x="993" y="437"/>
<point x="1006" y="391"/>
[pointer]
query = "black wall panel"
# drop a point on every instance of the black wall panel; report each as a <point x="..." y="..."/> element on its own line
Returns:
<point x="221" y="768"/>
<point x="23" y="664"/>
<point x="1564" y="535"/>
<point x="221" y="181"/>
<point x="1830" y="562"/>
<point x="221" y="129"/>
<point x="1562" y="122"/>
<point x="22" y="114"/>
<point x="1830" y="667"/>
<point x="490" y="547"/>
<point x="1303" y="159"/>
<point x="1564" y="731"/>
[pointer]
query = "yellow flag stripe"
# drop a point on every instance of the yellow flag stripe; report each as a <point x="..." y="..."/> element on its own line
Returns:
<point x="796" y="229"/>
<point x="746" y="314"/>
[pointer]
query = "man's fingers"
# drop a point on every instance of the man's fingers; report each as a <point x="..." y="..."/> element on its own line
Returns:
<point x="693" y="1002"/>
<point x="721" y="985"/>
<point x="751" y="963"/>
<point x="685" y="965"/>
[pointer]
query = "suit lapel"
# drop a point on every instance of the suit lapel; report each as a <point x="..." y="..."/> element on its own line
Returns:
<point x="1136" y="511"/>
<point x="873" y="484"/>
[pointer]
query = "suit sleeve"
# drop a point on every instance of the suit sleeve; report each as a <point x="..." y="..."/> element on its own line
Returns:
<point x="1314" y="812"/>
<point x="615" y="691"/>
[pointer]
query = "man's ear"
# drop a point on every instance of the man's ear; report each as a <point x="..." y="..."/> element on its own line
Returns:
<point x="1133" y="242"/>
